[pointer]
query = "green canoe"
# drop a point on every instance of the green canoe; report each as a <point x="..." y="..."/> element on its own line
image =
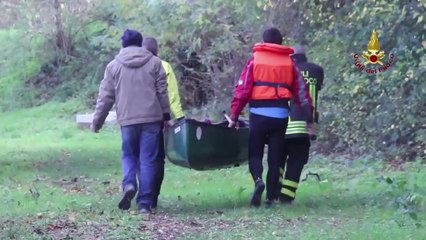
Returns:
<point x="204" y="146"/>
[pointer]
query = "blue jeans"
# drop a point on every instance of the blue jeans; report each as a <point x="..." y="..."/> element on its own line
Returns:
<point x="140" y="160"/>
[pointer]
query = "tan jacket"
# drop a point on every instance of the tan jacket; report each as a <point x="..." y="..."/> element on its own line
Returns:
<point x="136" y="82"/>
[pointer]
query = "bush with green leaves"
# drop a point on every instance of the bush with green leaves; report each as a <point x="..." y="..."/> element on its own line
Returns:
<point x="380" y="114"/>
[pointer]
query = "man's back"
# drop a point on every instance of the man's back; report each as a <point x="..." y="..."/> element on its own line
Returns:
<point x="137" y="81"/>
<point x="313" y="75"/>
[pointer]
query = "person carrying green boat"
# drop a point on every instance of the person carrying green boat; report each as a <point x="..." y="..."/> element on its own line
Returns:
<point x="299" y="132"/>
<point x="269" y="80"/>
<point x="151" y="45"/>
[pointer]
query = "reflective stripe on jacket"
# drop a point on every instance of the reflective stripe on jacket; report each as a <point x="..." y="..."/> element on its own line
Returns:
<point x="314" y="77"/>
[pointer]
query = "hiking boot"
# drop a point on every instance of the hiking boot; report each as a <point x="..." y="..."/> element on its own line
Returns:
<point x="256" y="198"/>
<point x="268" y="203"/>
<point x="129" y="193"/>
<point x="285" y="199"/>
<point x="144" y="210"/>
<point x="154" y="203"/>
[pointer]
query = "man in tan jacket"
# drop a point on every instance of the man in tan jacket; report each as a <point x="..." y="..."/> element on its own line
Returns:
<point x="136" y="82"/>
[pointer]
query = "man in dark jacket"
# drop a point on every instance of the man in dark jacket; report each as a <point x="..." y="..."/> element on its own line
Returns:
<point x="136" y="82"/>
<point x="299" y="131"/>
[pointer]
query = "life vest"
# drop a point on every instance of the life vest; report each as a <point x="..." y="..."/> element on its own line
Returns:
<point x="273" y="73"/>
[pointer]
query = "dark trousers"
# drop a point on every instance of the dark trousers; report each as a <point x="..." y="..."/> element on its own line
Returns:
<point x="271" y="131"/>
<point x="159" y="176"/>
<point x="140" y="150"/>
<point x="296" y="155"/>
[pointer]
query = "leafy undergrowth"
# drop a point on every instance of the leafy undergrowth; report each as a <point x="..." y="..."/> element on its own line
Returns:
<point x="59" y="182"/>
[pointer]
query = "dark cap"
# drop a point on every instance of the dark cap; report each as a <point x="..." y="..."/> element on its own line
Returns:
<point x="151" y="45"/>
<point x="298" y="49"/>
<point x="131" y="38"/>
<point x="272" y="35"/>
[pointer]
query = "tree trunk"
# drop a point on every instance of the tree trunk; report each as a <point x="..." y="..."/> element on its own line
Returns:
<point x="62" y="41"/>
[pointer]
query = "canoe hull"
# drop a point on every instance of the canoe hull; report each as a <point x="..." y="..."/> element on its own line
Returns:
<point x="203" y="146"/>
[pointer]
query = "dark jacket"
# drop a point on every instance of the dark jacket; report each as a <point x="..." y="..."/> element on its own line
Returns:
<point x="314" y="77"/>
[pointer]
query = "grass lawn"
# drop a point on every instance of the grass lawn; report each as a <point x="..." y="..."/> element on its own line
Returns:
<point x="59" y="182"/>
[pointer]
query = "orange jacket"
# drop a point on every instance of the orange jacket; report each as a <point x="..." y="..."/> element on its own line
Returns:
<point x="246" y="84"/>
<point x="272" y="72"/>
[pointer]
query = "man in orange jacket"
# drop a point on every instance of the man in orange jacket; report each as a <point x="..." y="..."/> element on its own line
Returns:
<point x="268" y="82"/>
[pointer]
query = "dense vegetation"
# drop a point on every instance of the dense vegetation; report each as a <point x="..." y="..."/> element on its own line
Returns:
<point x="59" y="53"/>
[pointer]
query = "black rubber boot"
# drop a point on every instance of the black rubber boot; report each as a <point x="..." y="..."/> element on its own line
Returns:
<point x="256" y="198"/>
<point x="129" y="193"/>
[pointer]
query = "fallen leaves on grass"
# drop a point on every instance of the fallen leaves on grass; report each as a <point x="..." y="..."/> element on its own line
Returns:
<point x="67" y="227"/>
<point x="166" y="227"/>
<point x="82" y="185"/>
<point x="75" y="189"/>
<point x="41" y="179"/>
<point x="161" y="226"/>
<point x="218" y="212"/>
<point x="112" y="190"/>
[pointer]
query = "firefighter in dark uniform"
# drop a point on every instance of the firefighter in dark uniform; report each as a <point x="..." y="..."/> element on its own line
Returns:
<point x="299" y="132"/>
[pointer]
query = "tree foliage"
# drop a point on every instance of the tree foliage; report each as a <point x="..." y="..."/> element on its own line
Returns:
<point x="360" y="113"/>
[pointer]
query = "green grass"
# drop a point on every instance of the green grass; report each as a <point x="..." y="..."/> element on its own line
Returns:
<point x="61" y="182"/>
